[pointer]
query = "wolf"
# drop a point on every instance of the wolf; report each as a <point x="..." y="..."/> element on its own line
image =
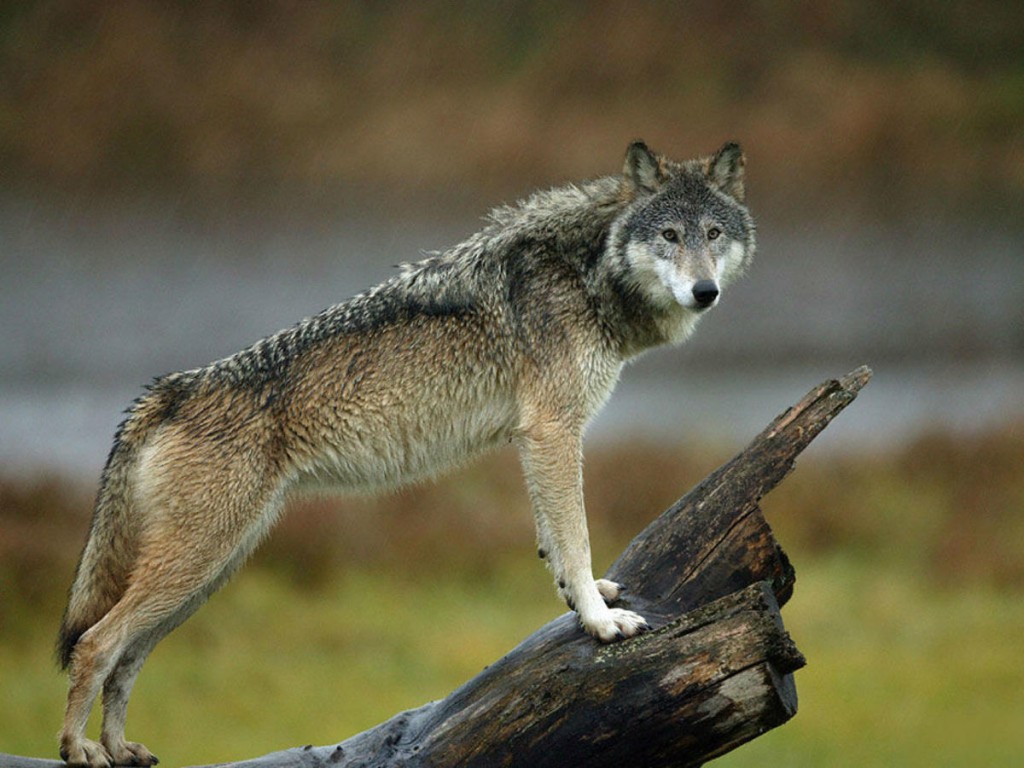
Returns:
<point x="516" y="335"/>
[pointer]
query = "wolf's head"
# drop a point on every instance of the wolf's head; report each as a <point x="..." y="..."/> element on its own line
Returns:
<point x="685" y="233"/>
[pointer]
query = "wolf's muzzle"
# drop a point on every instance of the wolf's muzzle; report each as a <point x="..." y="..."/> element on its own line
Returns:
<point x="705" y="292"/>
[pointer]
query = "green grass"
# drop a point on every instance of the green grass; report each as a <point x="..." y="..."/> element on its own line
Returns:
<point x="908" y="607"/>
<point x="899" y="673"/>
<point x="267" y="665"/>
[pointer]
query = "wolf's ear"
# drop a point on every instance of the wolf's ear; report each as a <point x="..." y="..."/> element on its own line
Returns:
<point x="641" y="168"/>
<point x="725" y="170"/>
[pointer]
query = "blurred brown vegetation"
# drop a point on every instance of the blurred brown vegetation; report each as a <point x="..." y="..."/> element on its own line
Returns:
<point x="918" y="99"/>
<point x="945" y="507"/>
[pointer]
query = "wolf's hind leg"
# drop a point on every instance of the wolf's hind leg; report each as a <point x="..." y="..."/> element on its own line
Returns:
<point x="118" y="686"/>
<point x="94" y="657"/>
<point x="116" y="691"/>
<point x="111" y="654"/>
<point x="108" y="655"/>
<point x="171" y="579"/>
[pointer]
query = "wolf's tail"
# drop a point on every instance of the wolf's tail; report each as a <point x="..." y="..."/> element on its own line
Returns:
<point x="112" y="546"/>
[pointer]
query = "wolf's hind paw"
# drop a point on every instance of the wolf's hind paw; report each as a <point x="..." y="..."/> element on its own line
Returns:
<point x="132" y="753"/>
<point x="86" y="753"/>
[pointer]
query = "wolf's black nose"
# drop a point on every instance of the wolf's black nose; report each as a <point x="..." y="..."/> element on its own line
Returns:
<point x="705" y="292"/>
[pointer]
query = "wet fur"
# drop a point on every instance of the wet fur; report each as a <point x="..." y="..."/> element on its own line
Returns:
<point x="516" y="335"/>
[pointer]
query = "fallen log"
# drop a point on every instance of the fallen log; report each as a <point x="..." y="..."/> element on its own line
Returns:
<point x="714" y="672"/>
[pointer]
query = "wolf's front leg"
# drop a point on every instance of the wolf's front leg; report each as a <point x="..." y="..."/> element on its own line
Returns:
<point x="551" y="453"/>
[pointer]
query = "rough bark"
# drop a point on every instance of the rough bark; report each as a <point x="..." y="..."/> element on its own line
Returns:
<point x="714" y="672"/>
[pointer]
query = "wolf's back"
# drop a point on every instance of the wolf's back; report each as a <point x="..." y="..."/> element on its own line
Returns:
<point x="110" y="550"/>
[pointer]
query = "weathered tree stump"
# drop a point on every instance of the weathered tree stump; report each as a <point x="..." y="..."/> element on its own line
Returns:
<point x="714" y="672"/>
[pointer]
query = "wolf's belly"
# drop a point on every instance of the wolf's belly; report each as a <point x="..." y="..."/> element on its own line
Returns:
<point x="382" y="454"/>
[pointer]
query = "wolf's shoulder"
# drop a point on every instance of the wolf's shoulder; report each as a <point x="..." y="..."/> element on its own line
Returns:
<point x="557" y="206"/>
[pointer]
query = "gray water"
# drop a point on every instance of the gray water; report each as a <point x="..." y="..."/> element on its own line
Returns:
<point x="93" y="305"/>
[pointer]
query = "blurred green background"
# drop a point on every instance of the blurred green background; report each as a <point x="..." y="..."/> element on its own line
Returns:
<point x="180" y="179"/>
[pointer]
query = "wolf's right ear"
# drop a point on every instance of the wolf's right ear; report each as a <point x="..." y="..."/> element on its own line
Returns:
<point x="641" y="169"/>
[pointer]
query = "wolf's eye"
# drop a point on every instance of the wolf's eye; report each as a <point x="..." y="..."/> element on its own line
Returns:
<point x="713" y="233"/>
<point x="670" y="234"/>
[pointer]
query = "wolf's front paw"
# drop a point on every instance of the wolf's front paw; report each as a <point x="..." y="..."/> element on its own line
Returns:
<point x="85" y="753"/>
<point x="610" y="590"/>
<point x="615" y="624"/>
<point x="131" y="753"/>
